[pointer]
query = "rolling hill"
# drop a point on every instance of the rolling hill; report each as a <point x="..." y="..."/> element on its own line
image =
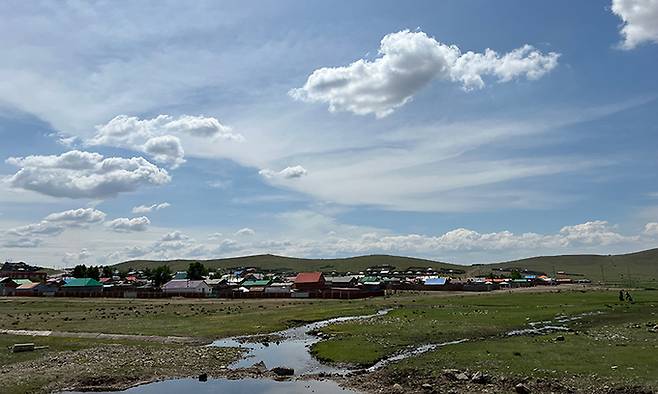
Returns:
<point x="633" y="269"/>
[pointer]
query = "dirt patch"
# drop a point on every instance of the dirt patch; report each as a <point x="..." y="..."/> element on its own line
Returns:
<point x="115" y="367"/>
<point x="464" y="381"/>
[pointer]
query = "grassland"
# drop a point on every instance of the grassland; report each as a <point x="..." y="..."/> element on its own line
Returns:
<point x="180" y="317"/>
<point x="628" y="270"/>
<point x="614" y="334"/>
<point x="610" y="344"/>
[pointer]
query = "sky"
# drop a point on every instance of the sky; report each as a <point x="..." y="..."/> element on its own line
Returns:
<point x="460" y="131"/>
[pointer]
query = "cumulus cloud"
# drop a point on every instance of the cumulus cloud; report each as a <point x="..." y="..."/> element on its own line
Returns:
<point x="408" y="62"/>
<point x="127" y="225"/>
<point x="165" y="149"/>
<point x="597" y="232"/>
<point x="43" y="228"/>
<point x="21" y="242"/>
<point x="639" y="21"/>
<point x="31" y="235"/>
<point x="245" y="232"/>
<point x="77" y="217"/>
<point x="150" y="208"/>
<point x="79" y="174"/>
<point x="651" y="229"/>
<point x="287" y="173"/>
<point x="159" y="137"/>
<point x="76" y="257"/>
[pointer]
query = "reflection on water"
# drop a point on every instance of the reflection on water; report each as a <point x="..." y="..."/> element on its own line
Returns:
<point x="242" y="386"/>
<point x="291" y="350"/>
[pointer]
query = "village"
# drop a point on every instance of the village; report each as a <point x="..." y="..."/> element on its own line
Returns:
<point x="21" y="279"/>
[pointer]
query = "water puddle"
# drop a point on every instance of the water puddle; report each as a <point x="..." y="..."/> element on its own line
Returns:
<point x="289" y="348"/>
<point x="242" y="386"/>
<point x="412" y="353"/>
<point x="550" y="326"/>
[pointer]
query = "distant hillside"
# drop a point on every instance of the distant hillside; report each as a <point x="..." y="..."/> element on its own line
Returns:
<point x="280" y="263"/>
<point x="642" y="266"/>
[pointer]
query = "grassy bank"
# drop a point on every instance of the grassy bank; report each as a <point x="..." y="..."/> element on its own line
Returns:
<point x="181" y="317"/>
<point x="611" y="343"/>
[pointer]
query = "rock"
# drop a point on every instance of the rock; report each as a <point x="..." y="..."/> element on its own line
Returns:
<point x="283" y="371"/>
<point x="560" y="338"/>
<point x="427" y="386"/>
<point x="462" y="376"/>
<point x="521" y="389"/>
<point x="397" y="388"/>
<point x="203" y="377"/>
<point x="480" y="378"/>
<point x="450" y="374"/>
<point x="260" y="366"/>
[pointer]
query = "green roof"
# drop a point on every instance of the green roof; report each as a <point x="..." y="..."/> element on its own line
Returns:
<point x="369" y="279"/>
<point x="22" y="281"/>
<point x="83" y="282"/>
<point x="262" y="282"/>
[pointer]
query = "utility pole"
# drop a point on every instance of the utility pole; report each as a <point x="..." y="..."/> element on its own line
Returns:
<point x="602" y="275"/>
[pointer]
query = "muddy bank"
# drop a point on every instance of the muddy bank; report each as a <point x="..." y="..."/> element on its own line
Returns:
<point x="467" y="381"/>
<point x="115" y="367"/>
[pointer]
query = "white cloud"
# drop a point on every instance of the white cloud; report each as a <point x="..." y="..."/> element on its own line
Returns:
<point x="126" y="225"/>
<point x="215" y="236"/>
<point x="77" y="257"/>
<point x="174" y="236"/>
<point x="408" y="62"/>
<point x="598" y="232"/>
<point x="160" y="137"/>
<point x="165" y="149"/>
<point x="639" y="21"/>
<point x="245" y="232"/>
<point x="651" y="229"/>
<point x="150" y="208"/>
<point x="22" y="242"/>
<point x="287" y="173"/>
<point x="77" y="217"/>
<point x="78" y="174"/>
<point x="43" y="228"/>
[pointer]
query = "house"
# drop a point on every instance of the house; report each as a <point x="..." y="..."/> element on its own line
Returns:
<point x="370" y="283"/>
<point x="341" y="281"/>
<point x="186" y="287"/>
<point x="81" y="286"/>
<point x="436" y="281"/>
<point x="7" y="286"/>
<point x="29" y="289"/>
<point x="22" y="270"/>
<point x="180" y="275"/>
<point x="256" y="283"/>
<point x="279" y="288"/>
<point x="309" y="281"/>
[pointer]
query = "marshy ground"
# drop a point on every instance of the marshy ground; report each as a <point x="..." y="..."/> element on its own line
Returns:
<point x="611" y="346"/>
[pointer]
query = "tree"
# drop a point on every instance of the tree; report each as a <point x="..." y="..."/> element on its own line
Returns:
<point x="80" y="271"/>
<point x="516" y="275"/>
<point x="196" y="271"/>
<point x="147" y="273"/>
<point x="161" y="275"/>
<point x="107" y="272"/>
<point x="93" y="272"/>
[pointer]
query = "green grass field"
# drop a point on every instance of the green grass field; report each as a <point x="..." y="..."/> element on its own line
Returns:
<point x="181" y="317"/>
<point x="613" y="343"/>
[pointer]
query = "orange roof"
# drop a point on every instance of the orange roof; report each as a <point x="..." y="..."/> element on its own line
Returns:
<point x="308" y="277"/>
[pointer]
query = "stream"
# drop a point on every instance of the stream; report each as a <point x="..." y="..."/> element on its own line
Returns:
<point x="290" y="348"/>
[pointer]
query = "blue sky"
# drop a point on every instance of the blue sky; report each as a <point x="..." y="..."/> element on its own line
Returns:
<point x="462" y="131"/>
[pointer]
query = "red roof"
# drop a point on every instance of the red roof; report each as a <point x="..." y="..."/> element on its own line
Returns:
<point x="308" y="277"/>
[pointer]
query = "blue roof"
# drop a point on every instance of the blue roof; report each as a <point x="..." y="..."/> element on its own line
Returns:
<point x="435" y="281"/>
